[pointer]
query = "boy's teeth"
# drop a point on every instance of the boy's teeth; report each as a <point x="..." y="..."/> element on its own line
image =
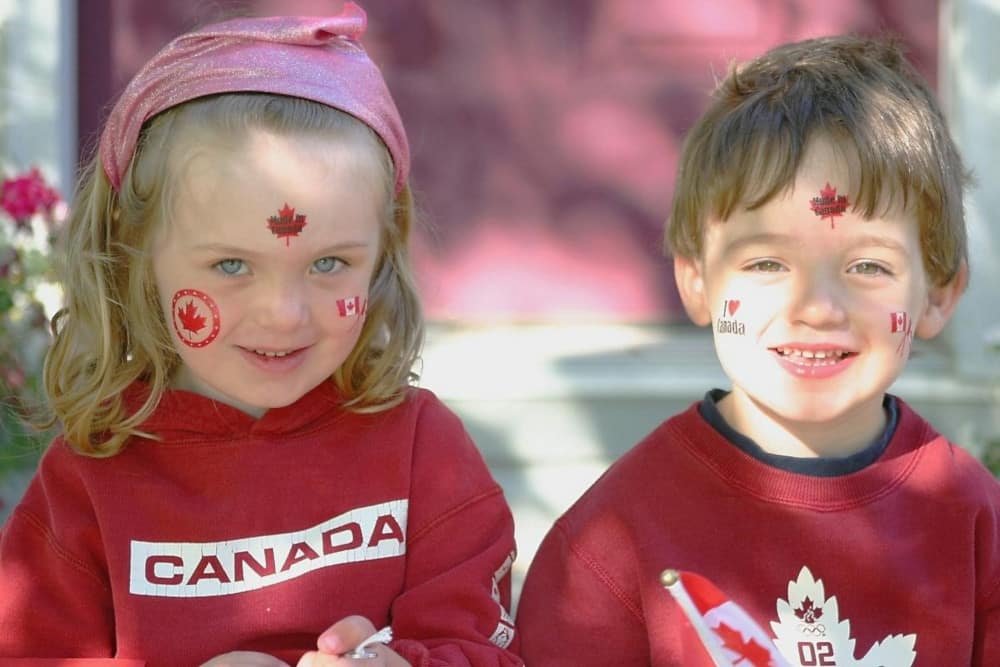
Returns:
<point x="808" y="354"/>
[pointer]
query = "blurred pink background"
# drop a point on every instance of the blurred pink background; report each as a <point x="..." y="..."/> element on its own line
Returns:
<point x="544" y="134"/>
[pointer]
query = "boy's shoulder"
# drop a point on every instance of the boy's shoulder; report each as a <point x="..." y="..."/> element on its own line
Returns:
<point x="685" y="458"/>
<point x="642" y="475"/>
<point x="944" y="466"/>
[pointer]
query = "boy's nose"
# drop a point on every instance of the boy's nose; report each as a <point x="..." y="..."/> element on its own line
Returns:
<point x="819" y="303"/>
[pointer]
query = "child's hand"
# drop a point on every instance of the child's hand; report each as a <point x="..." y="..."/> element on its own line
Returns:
<point x="343" y="637"/>
<point x="245" y="659"/>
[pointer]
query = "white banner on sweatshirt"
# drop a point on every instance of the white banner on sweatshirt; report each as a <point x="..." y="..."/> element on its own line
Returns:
<point x="209" y="569"/>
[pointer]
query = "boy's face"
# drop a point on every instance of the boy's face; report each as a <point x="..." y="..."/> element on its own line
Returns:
<point x="263" y="272"/>
<point x="813" y="308"/>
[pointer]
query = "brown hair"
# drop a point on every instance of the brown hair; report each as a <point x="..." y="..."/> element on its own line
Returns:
<point x="111" y="332"/>
<point x="861" y="93"/>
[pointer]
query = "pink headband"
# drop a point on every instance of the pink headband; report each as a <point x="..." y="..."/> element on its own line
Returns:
<point x="316" y="58"/>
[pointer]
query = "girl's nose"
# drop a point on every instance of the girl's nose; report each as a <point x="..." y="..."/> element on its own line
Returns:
<point x="282" y="306"/>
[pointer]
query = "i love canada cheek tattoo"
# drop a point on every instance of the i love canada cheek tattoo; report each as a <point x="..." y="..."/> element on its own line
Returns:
<point x="727" y="322"/>
<point x="195" y="317"/>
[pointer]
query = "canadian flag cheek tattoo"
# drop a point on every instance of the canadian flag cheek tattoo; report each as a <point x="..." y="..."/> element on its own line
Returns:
<point x="900" y="323"/>
<point x="727" y="324"/>
<point x="287" y="223"/>
<point x="829" y="205"/>
<point x="195" y="317"/>
<point x="354" y="306"/>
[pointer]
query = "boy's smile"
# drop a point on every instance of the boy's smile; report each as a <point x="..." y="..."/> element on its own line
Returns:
<point x="265" y="239"/>
<point x="806" y="314"/>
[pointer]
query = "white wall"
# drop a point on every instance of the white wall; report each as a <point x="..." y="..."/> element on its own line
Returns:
<point x="38" y="89"/>
<point x="970" y="91"/>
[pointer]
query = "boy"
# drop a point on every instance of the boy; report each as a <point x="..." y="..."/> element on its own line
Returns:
<point x="817" y="226"/>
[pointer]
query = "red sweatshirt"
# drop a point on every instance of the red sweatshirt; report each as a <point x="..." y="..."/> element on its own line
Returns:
<point x="897" y="564"/>
<point x="240" y="534"/>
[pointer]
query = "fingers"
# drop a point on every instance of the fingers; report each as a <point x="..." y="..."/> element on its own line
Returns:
<point x="384" y="657"/>
<point x="345" y="635"/>
<point x="244" y="659"/>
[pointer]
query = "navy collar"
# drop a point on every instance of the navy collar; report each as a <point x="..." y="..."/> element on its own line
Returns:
<point x="815" y="467"/>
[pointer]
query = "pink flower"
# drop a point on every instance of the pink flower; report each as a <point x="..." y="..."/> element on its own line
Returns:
<point x="26" y="195"/>
<point x="14" y="377"/>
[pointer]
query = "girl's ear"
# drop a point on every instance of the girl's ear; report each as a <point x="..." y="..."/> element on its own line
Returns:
<point x="941" y="302"/>
<point x="691" y="286"/>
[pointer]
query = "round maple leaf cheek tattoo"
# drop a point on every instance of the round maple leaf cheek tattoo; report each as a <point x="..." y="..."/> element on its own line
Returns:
<point x="195" y="317"/>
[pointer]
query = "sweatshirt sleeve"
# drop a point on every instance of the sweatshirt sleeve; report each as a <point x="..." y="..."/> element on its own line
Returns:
<point x="55" y="600"/>
<point x="986" y="651"/>
<point x="460" y="547"/>
<point x="573" y="614"/>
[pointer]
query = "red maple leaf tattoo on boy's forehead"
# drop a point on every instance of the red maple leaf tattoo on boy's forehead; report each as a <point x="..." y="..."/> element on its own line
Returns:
<point x="286" y="224"/>
<point x="829" y="204"/>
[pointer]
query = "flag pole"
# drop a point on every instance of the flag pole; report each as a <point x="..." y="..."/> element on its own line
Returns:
<point x="671" y="580"/>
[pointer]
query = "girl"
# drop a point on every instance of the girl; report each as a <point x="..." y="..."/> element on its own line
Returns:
<point x="243" y="462"/>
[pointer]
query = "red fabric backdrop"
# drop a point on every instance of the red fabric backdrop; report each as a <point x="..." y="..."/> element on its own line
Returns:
<point x="544" y="134"/>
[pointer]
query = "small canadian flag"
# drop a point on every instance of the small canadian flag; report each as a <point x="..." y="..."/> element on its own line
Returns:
<point x="352" y="306"/>
<point x="730" y="637"/>
<point x="900" y="322"/>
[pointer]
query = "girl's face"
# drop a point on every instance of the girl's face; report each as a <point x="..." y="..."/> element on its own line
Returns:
<point x="263" y="272"/>
<point x="813" y="309"/>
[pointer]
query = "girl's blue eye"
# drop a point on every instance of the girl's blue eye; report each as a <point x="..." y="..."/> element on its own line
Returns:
<point x="230" y="267"/>
<point x="327" y="264"/>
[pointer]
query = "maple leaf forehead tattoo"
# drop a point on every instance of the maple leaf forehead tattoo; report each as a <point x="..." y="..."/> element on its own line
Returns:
<point x="287" y="223"/>
<point x="829" y="204"/>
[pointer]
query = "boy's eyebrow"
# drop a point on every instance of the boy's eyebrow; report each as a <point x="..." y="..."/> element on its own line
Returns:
<point x="762" y="238"/>
<point x="773" y="239"/>
<point x="869" y="240"/>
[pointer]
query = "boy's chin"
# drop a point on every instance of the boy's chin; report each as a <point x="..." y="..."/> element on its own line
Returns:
<point x="818" y="408"/>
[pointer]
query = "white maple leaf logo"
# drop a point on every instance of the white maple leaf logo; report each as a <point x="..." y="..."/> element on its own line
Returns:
<point x="809" y="631"/>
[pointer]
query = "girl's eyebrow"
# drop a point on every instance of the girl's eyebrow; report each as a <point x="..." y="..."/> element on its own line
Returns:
<point x="236" y="251"/>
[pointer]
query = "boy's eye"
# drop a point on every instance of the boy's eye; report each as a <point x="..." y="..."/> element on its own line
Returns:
<point x="766" y="266"/>
<point x="327" y="264"/>
<point x="231" y="267"/>
<point x="868" y="269"/>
